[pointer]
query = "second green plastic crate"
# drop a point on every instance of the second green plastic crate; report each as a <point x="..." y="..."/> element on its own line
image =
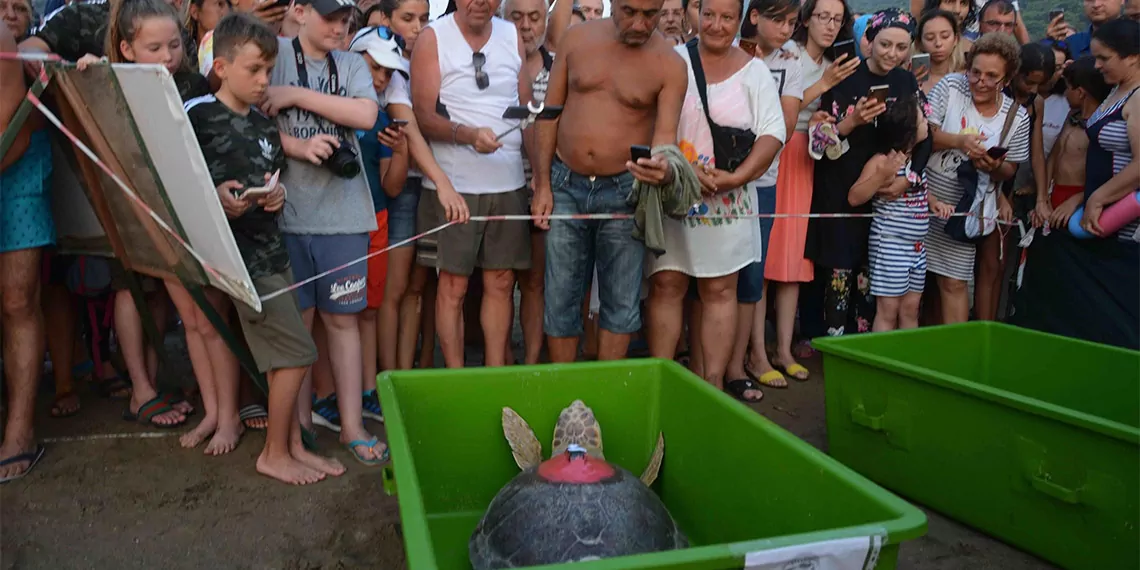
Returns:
<point x="1030" y="437"/>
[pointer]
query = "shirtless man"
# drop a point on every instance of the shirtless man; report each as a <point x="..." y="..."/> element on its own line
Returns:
<point x="26" y="226"/>
<point x="621" y="84"/>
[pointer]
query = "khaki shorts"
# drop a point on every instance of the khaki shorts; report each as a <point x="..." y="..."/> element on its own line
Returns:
<point x="277" y="336"/>
<point x="461" y="248"/>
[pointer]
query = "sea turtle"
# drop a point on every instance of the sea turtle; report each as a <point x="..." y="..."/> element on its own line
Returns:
<point x="574" y="506"/>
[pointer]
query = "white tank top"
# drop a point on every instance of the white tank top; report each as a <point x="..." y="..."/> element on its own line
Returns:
<point x="1056" y="113"/>
<point x="471" y="172"/>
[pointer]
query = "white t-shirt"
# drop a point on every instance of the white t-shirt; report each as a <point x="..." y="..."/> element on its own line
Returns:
<point x="784" y="64"/>
<point x="810" y="72"/>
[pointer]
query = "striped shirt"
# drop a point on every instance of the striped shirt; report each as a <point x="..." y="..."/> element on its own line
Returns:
<point x="906" y="217"/>
<point x="1108" y="141"/>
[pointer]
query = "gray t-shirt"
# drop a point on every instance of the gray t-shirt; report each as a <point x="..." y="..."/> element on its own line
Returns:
<point x="320" y="202"/>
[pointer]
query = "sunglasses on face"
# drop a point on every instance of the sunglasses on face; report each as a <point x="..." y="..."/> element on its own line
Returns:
<point x="482" y="80"/>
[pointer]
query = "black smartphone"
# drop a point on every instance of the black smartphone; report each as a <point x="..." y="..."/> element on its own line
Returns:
<point x="1054" y="13"/>
<point x="639" y="151"/>
<point x="996" y="152"/>
<point x="879" y="92"/>
<point x="840" y="48"/>
<point x="520" y="112"/>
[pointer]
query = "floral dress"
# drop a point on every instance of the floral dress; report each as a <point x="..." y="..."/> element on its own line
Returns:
<point x="719" y="244"/>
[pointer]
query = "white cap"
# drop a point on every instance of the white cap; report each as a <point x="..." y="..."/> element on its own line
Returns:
<point x="380" y="44"/>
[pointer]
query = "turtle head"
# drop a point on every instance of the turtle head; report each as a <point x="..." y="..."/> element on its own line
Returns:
<point x="577" y="426"/>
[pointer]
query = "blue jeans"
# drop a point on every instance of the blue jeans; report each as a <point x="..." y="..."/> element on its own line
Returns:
<point x="750" y="281"/>
<point x="574" y="246"/>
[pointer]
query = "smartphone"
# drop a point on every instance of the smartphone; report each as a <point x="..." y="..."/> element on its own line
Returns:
<point x="920" y="66"/>
<point x="398" y="123"/>
<point x="845" y="47"/>
<point x="639" y="151"/>
<point x="1054" y="13"/>
<point x="520" y="112"/>
<point x="879" y="92"/>
<point x="996" y="152"/>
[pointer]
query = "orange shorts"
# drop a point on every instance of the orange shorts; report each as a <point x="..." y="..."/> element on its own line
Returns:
<point x="378" y="265"/>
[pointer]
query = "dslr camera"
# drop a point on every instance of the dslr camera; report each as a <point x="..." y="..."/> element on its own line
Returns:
<point x="342" y="162"/>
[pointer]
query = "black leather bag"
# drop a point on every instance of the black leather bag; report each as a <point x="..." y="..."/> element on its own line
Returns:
<point x="731" y="145"/>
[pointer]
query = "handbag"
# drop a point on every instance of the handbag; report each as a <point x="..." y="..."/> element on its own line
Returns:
<point x="731" y="145"/>
<point x="980" y="203"/>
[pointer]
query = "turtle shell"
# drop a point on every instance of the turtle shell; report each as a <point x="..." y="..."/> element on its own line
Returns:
<point x="568" y="511"/>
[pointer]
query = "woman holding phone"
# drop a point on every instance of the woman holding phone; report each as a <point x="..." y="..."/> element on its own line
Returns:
<point x="939" y="37"/>
<point x="970" y="116"/>
<point x="838" y="246"/>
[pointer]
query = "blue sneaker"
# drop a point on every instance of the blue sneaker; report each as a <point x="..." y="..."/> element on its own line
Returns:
<point x="371" y="406"/>
<point x="325" y="413"/>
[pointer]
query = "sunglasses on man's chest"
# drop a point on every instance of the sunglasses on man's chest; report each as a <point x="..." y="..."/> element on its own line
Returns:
<point x="482" y="80"/>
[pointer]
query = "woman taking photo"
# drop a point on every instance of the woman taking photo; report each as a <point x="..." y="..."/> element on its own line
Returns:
<point x="940" y="36"/>
<point x="838" y="246"/>
<point x="1035" y="69"/>
<point x="970" y="114"/>
<point x="739" y="94"/>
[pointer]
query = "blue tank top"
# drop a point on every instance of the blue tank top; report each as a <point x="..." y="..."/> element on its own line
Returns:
<point x="1109" y="151"/>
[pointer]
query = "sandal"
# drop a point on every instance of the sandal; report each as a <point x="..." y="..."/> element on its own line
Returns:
<point x="738" y="387"/>
<point x="59" y="411"/>
<point x="32" y="457"/>
<point x="771" y="378"/>
<point x="115" y="388"/>
<point x="369" y="443"/>
<point x="175" y="396"/>
<point x="252" y="412"/>
<point x="149" y="410"/>
<point x="796" y="371"/>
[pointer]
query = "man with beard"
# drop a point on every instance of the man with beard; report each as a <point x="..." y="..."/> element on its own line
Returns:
<point x="621" y="85"/>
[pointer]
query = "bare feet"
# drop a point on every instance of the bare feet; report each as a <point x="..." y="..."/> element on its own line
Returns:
<point x="325" y="465"/>
<point x="66" y="404"/>
<point x="196" y="436"/>
<point x="225" y="439"/>
<point x="288" y="470"/>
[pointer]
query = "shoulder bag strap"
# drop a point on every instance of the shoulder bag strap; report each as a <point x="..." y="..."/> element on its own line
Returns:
<point x="1009" y="117"/>
<point x="699" y="75"/>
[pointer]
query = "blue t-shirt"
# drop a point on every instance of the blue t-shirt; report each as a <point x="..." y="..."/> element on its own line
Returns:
<point x="371" y="152"/>
<point x="1080" y="43"/>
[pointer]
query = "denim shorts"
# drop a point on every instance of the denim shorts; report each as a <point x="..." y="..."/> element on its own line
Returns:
<point x="402" y="212"/>
<point x="573" y="247"/>
<point x="344" y="291"/>
<point x="750" y="281"/>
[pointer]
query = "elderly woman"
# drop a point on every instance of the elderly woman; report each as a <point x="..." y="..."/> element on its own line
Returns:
<point x="18" y="17"/>
<point x="970" y="115"/>
<point x="734" y="90"/>
<point x="842" y="140"/>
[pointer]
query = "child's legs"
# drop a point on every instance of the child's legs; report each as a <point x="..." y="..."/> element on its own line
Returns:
<point x="886" y="313"/>
<point x="890" y="270"/>
<point x="369" y="329"/>
<point x="908" y="310"/>
<point x="194" y="323"/>
<point x="390" y="316"/>
<point x="987" y="278"/>
<point x="321" y="374"/>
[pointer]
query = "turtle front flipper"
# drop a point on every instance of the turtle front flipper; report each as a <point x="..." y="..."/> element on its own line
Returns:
<point x="577" y="424"/>
<point x="650" y="474"/>
<point x="524" y="445"/>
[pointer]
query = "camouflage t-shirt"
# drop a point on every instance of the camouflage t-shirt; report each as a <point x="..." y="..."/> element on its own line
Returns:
<point x="243" y="148"/>
<point x="76" y="30"/>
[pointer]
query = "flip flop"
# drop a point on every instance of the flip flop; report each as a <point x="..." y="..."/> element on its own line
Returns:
<point x="771" y="378"/>
<point x="149" y="410"/>
<point x="56" y="410"/>
<point x="252" y="412"/>
<point x="370" y="443"/>
<point x="177" y="396"/>
<point x="33" y="457"/>
<point x="738" y="387"/>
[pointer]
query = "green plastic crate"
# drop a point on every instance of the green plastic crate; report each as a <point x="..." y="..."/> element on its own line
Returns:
<point x="1030" y="437"/>
<point x="735" y="482"/>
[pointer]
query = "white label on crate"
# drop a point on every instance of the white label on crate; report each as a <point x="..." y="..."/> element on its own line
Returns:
<point x="859" y="553"/>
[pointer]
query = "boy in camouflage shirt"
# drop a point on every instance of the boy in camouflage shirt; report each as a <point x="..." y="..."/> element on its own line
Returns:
<point x="242" y="148"/>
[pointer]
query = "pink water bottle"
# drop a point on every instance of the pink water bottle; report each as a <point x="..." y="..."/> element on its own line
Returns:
<point x="1112" y="218"/>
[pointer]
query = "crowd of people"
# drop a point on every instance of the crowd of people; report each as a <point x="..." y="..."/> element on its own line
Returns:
<point x="716" y="165"/>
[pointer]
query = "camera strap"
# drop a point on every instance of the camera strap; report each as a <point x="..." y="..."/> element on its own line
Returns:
<point x="303" y="74"/>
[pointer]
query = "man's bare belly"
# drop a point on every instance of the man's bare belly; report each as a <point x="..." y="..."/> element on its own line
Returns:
<point x="597" y="143"/>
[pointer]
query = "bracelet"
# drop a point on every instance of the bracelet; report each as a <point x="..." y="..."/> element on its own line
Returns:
<point x="454" y="133"/>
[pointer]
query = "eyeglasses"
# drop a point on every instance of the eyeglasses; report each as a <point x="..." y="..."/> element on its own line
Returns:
<point x="825" y="18"/>
<point x="482" y="80"/>
<point x="976" y="77"/>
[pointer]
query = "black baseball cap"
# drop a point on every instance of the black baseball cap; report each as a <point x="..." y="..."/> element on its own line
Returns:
<point x="328" y="7"/>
